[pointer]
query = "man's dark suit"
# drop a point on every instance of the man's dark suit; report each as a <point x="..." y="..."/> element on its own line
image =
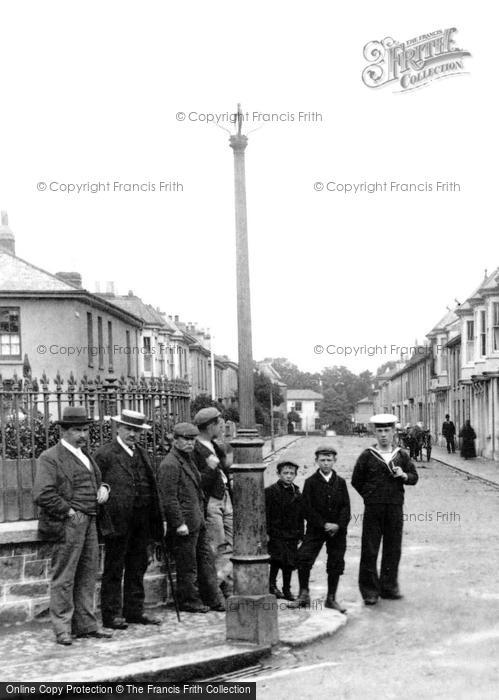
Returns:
<point x="182" y="500"/>
<point x="449" y="432"/>
<point x="63" y="482"/>
<point x="136" y="520"/>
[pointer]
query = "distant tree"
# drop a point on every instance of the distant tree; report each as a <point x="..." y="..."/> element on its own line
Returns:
<point x="293" y="377"/>
<point x="231" y="413"/>
<point x="204" y="401"/>
<point x="386" y="367"/>
<point x="263" y="387"/>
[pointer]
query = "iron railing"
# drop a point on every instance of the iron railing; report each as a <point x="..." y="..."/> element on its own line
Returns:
<point x="29" y="409"/>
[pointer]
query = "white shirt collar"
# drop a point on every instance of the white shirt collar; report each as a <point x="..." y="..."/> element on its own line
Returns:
<point x="208" y="444"/>
<point x="326" y="478"/>
<point x="77" y="453"/>
<point x="125" y="447"/>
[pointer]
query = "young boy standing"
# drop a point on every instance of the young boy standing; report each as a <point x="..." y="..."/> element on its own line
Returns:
<point x="284" y="527"/>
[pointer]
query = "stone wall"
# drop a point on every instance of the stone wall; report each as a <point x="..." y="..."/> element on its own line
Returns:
<point x="25" y="575"/>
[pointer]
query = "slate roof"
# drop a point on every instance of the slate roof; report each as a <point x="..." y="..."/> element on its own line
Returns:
<point x="134" y="305"/>
<point x="303" y="395"/>
<point x="17" y="275"/>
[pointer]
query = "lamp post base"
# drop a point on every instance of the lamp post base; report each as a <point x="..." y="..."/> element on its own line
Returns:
<point x="252" y="618"/>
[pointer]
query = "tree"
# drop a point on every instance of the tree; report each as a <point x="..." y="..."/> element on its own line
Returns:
<point x="204" y="401"/>
<point x="263" y="387"/>
<point x="293" y="377"/>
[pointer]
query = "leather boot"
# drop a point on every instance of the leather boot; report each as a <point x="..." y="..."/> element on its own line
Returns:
<point x="303" y="600"/>
<point x="332" y="587"/>
<point x="274" y="570"/>
<point x="275" y="591"/>
<point x="286" y="584"/>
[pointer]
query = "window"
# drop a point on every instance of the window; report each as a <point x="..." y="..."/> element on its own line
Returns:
<point x="90" y="339"/>
<point x="298" y="405"/>
<point x="483" y="334"/>
<point x="110" y="344"/>
<point x="495" y="326"/>
<point x="10" y="337"/>
<point x="316" y="405"/>
<point x="147" y="354"/>
<point x="162" y="350"/>
<point x="128" y="354"/>
<point x="100" y="342"/>
<point x="470" y="339"/>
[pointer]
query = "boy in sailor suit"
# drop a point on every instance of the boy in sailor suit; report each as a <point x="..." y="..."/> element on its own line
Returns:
<point x="379" y="476"/>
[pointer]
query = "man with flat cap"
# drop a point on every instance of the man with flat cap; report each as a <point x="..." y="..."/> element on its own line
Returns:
<point x="379" y="476"/>
<point x="326" y="508"/>
<point x="136" y="519"/>
<point x="68" y="489"/>
<point x="211" y="461"/>
<point x="183" y="503"/>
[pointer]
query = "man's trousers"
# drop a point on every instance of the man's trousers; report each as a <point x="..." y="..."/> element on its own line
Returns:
<point x="219" y="528"/>
<point x="126" y="553"/>
<point x="380" y="521"/>
<point x="74" y="567"/>
<point x="196" y="573"/>
<point x="451" y="445"/>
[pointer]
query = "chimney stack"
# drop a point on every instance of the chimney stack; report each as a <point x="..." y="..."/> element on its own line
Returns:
<point x="7" y="238"/>
<point x="72" y="278"/>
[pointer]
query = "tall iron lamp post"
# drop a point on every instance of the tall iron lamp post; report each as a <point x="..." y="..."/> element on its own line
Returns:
<point x="252" y="610"/>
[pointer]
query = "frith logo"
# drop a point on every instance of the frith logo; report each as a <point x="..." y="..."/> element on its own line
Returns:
<point x="414" y="63"/>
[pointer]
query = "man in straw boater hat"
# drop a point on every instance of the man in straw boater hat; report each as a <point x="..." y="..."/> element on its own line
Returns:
<point x="135" y="515"/>
<point x="68" y="489"/>
<point x="183" y="502"/>
<point x="326" y="508"/>
<point x="379" y="476"/>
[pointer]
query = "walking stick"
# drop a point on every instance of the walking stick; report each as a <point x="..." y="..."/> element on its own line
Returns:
<point x="170" y="578"/>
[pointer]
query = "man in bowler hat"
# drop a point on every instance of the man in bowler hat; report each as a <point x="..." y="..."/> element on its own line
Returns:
<point x="68" y="489"/>
<point x="326" y="507"/>
<point x="183" y="504"/>
<point x="135" y="516"/>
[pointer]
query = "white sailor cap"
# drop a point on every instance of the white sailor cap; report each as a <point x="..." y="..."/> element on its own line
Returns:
<point x="383" y="419"/>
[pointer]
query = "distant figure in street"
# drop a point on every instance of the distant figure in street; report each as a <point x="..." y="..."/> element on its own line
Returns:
<point x="212" y="463"/>
<point x="68" y="488"/>
<point x="449" y="432"/>
<point x="183" y="503"/>
<point x="283" y="505"/>
<point x="468" y="437"/>
<point x="379" y="476"/>
<point x="134" y="511"/>
<point x="326" y="507"/>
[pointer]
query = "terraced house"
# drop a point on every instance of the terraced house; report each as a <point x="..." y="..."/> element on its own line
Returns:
<point x="457" y="372"/>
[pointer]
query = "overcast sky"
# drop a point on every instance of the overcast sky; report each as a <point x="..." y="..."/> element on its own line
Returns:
<point x="90" y="93"/>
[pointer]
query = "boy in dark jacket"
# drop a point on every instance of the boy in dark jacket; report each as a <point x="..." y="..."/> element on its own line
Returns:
<point x="326" y="507"/>
<point x="284" y="527"/>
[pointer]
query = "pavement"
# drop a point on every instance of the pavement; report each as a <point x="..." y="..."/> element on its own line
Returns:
<point x="175" y="651"/>
<point x="478" y="468"/>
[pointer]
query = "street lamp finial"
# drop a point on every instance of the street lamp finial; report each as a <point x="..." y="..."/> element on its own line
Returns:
<point x="239" y="118"/>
